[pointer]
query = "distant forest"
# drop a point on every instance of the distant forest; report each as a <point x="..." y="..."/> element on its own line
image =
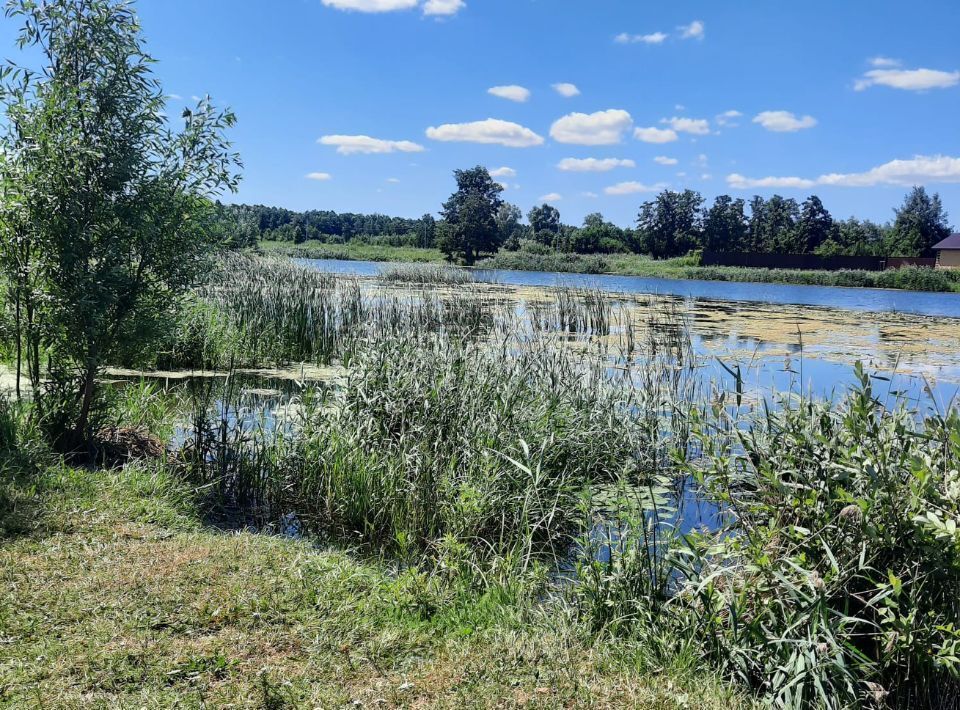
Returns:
<point x="476" y="221"/>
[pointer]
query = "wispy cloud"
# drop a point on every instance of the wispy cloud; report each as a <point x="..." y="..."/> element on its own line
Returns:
<point x="371" y="5"/>
<point x="908" y="79"/>
<point x="695" y="30"/>
<point x="350" y="145"/>
<point x="489" y="131"/>
<point x="594" y="165"/>
<point x="632" y="188"/>
<point x="652" y="38"/>
<point x="566" y="90"/>
<point x="784" y="121"/>
<point x="919" y="170"/>
<point x="551" y="197"/>
<point x="319" y="177"/>
<point x="511" y="92"/>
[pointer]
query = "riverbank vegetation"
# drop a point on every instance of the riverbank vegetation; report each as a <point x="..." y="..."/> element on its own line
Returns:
<point x="460" y="498"/>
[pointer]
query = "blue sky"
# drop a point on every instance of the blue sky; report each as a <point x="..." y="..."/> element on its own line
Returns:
<point x="739" y="97"/>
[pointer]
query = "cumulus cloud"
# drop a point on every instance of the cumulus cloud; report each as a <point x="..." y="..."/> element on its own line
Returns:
<point x="784" y="121"/>
<point x="695" y="30"/>
<point x="696" y="126"/>
<point x="511" y="92"/>
<point x="566" y="90"/>
<point x="600" y="128"/>
<point x="908" y="79"/>
<point x="490" y="131"/>
<point x="594" y="165"/>
<point x="652" y="38"/>
<point x="655" y="135"/>
<point x="349" y="145"/>
<point x="372" y="5"/>
<point x="551" y="197"/>
<point x="503" y="172"/>
<point x="632" y="188"/>
<point x="664" y="160"/>
<point x="919" y="170"/>
<point x="881" y="62"/>
<point x="320" y="177"/>
<point x="443" y="8"/>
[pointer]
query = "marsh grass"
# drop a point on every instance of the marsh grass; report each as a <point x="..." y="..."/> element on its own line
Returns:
<point x="443" y="274"/>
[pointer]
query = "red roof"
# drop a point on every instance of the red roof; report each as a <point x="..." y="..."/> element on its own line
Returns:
<point x="951" y="242"/>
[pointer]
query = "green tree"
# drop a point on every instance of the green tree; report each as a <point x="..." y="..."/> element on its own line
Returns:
<point x="814" y="227"/>
<point x="773" y="224"/>
<point x="426" y="231"/>
<point x="920" y="223"/>
<point x="545" y="223"/>
<point x="725" y="225"/>
<point x="508" y="225"/>
<point x="469" y="216"/>
<point x="116" y="205"/>
<point x="670" y="225"/>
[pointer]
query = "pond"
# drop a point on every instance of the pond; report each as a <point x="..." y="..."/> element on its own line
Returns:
<point x="782" y="337"/>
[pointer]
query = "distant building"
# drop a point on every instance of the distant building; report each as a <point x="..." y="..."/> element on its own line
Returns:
<point x="948" y="252"/>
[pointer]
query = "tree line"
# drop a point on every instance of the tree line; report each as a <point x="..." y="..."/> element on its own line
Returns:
<point x="477" y="221"/>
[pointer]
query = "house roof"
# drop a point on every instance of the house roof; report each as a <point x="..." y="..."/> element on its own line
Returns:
<point x="951" y="242"/>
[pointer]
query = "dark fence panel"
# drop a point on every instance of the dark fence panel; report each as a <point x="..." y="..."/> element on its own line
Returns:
<point x="810" y="261"/>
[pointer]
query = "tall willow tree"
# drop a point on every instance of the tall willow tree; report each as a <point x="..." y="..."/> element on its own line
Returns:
<point x="105" y="207"/>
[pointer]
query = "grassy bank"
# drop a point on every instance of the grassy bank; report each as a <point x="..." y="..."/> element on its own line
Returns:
<point x="115" y="594"/>
<point x="354" y="251"/>
<point x="909" y="278"/>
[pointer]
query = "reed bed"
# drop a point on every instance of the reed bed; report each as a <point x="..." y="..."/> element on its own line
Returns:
<point x="475" y="445"/>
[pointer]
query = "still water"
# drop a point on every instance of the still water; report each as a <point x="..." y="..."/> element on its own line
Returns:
<point x="785" y="338"/>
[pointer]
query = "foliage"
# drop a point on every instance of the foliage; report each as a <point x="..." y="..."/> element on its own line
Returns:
<point x="670" y="225"/>
<point x="470" y="216"/>
<point x="834" y="581"/>
<point x="921" y="222"/>
<point x="107" y="208"/>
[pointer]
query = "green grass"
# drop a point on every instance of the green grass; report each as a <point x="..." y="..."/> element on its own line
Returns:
<point x="687" y="268"/>
<point x="115" y="594"/>
<point x="354" y="251"/>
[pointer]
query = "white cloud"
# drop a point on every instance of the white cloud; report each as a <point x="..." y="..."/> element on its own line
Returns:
<point x="727" y="118"/>
<point x="175" y="97"/>
<point x="784" y="121"/>
<point x="590" y="195"/>
<point x="512" y="92"/>
<point x="919" y="170"/>
<point x="696" y="126"/>
<point x="655" y="135"/>
<point x="371" y="5"/>
<point x="652" y="38"/>
<point x="320" y="177"/>
<point x="664" y="160"/>
<point x="443" y="7"/>
<point x="632" y="188"/>
<point x="739" y="182"/>
<point x="490" y="131"/>
<point x="551" y="197"/>
<point x="568" y="91"/>
<point x="348" y="145"/>
<point x="695" y="30"/>
<point x="600" y="128"/>
<point x="908" y="79"/>
<point x="594" y="165"/>
<point x="881" y="62"/>
<point x="503" y="172"/>
<point x="393" y="181"/>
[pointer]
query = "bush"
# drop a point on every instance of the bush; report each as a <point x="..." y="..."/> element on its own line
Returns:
<point x="835" y="583"/>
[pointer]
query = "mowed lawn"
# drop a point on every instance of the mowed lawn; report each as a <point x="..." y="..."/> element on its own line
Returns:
<point x="115" y="594"/>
